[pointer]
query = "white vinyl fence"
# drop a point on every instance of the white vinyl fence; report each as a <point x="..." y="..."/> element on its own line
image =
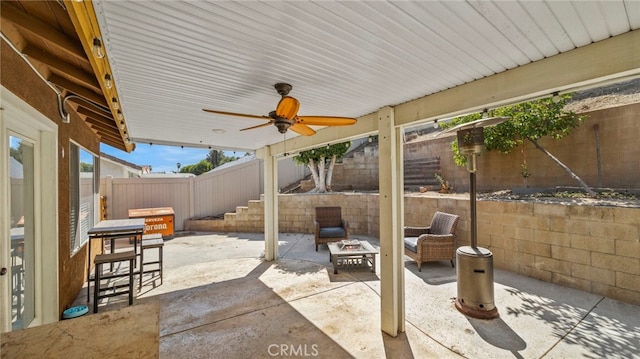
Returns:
<point x="210" y="194"/>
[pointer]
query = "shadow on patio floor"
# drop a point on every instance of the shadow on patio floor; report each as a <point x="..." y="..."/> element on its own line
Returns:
<point x="220" y="299"/>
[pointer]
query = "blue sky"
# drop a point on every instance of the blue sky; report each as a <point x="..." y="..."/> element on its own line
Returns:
<point x="161" y="158"/>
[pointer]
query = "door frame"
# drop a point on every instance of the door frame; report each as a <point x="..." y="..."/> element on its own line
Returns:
<point x="18" y="118"/>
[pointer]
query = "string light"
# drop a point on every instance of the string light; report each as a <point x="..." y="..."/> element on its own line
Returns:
<point x="108" y="83"/>
<point x="98" y="51"/>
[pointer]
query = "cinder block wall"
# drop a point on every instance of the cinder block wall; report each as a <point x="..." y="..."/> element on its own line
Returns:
<point x="295" y="213"/>
<point x="591" y="248"/>
<point x="363" y="166"/>
<point x="618" y="133"/>
<point x="617" y="130"/>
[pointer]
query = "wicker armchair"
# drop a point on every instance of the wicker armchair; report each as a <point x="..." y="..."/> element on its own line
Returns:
<point x="329" y="225"/>
<point x="433" y="243"/>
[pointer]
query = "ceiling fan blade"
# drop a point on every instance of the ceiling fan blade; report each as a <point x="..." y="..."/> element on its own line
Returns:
<point x="287" y="107"/>
<point x="302" y="129"/>
<point x="258" y="126"/>
<point x="325" y="120"/>
<point x="236" y="114"/>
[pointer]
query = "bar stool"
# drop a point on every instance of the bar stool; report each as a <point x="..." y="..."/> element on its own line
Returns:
<point x="111" y="258"/>
<point x="151" y="241"/>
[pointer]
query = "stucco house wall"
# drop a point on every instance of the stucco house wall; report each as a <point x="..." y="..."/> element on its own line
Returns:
<point x="20" y="79"/>
<point x="111" y="166"/>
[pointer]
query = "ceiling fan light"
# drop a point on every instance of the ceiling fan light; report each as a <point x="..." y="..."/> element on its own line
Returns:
<point x="287" y="107"/>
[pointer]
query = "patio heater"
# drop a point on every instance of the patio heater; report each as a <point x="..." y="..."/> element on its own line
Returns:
<point x="475" y="264"/>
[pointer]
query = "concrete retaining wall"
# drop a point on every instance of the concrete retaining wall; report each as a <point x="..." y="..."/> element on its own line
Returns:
<point x="616" y="167"/>
<point x="591" y="248"/>
<point x="617" y="131"/>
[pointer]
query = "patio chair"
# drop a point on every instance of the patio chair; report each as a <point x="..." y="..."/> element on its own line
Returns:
<point x="329" y="225"/>
<point x="433" y="243"/>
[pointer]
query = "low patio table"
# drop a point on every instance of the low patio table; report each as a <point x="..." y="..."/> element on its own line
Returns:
<point x="111" y="229"/>
<point x="350" y="257"/>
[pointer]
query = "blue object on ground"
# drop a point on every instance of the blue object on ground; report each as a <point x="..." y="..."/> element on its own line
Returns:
<point x="74" y="312"/>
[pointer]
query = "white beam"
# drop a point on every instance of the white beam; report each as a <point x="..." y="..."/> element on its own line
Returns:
<point x="391" y="224"/>
<point x="270" y="203"/>
<point x="612" y="59"/>
<point x="615" y="58"/>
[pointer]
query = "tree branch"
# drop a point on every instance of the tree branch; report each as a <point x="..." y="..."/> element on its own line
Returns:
<point x="564" y="167"/>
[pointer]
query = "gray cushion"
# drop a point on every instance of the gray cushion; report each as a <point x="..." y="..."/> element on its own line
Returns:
<point x="331" y="232"/>
<point x="411" y="243"/>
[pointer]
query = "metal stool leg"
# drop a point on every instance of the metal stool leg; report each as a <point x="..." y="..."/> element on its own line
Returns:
<point x="141" y="267"/>
<point x="160" y="258"/>
<point x="96" y="286"/>
<point x="131" y="270"/>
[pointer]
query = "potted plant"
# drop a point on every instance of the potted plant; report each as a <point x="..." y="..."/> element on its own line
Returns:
<point x="445" y="186"/>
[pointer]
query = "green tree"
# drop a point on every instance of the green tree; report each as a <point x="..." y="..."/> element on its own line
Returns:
<point x="16" y="153"/>
<point x="316" y="159"/>
<point x="218" y="158"/>
<point x="86" y="167"/>
<point x="197" y="169"/>
<point x="214" y="159"/>
<point x="529" y="121"/>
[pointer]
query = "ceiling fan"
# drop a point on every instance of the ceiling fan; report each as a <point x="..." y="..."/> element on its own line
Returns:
<point x="286" y="116"/>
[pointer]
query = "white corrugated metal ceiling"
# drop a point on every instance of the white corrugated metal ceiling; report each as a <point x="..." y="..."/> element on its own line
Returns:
<point x="171" y="59"/>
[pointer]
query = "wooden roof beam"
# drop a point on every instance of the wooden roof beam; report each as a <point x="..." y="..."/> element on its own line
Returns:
<point x="58" y="65"/>
<point x="95" y="114"/>
<point x="78" y="90"/>
<point x="100" y="128"/>
<point x="83" y="17"/>
<point x="119" y="145"/>
<point x="43" y="30"/>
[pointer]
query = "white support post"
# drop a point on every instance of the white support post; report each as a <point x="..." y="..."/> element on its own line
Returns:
<point x="270" y="205"/>
<point x="391" y="224"/>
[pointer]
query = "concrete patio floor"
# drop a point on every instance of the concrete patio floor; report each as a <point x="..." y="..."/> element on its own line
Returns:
<point x="219" y="299"/>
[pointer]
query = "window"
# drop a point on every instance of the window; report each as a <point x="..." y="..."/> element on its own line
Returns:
<point x="83" y="194"/>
